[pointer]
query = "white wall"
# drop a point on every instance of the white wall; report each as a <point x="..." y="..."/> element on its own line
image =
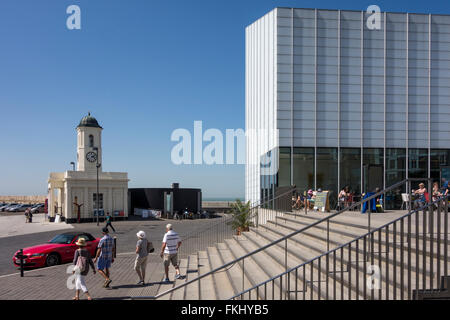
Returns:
<point x="260" y="109"/>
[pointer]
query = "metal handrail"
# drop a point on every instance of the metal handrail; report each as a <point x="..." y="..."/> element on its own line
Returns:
<point x="283" y="238"/>
<point x="219" y="227"/>
<point x="446" y="198"/>
<point x="263" y="202"/>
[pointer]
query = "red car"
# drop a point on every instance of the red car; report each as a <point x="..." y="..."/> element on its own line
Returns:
<point x="59" y="250"/>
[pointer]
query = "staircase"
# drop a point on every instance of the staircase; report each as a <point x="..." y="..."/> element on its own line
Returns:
<point x="302" y="248"/>
<point x="404" y="256"/>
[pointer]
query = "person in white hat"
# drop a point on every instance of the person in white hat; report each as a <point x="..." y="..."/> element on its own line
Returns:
<point x="82" y="260"/>
<point x="140" y="264"/>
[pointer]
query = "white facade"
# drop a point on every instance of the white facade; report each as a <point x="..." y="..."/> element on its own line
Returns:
<point x="261" y="103"/>
<point x="80" y="187"/>
<point x="345" y="97"/>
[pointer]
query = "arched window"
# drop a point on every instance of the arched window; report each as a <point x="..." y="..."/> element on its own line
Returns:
<point x="91" y="141"/>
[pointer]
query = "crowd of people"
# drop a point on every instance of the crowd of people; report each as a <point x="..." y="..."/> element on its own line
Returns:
<point x="300" y="201"/>
<point x="105" y="253"/>
<point x="347" y="197"/>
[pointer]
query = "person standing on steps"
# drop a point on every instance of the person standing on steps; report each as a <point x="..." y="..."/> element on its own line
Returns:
<point x="105" y="256"/>
<point x="169" y="251"/>
<point x="108" y="222"/>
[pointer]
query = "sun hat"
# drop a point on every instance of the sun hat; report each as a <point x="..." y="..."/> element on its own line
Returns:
<point x="169" y="226"/>
<point x="81" y="242"/>
<point x="310" y="191"/>
<point x="141" y="234"/>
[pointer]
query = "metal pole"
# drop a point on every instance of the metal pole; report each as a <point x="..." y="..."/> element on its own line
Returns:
<point x="98" y="202"/>
<point x="21" y="263"/>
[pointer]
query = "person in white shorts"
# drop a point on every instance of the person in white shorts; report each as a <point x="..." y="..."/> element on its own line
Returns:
<point x="169" y="251"/>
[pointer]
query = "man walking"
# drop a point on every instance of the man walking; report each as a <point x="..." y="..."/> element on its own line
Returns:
<point x="140" y="264"/>
<point x="108" y="221"/>
<point x="105" y="256"/>
<point x="169" y="250"/>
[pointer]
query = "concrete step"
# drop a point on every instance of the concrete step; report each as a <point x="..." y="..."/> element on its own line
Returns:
<point x="357" y="223"/>
<point x="207" y="290"/>
<point x="179" y="293"/>
<point x="192" y="290"/>
<point x="297" y="255"/>
<point x="222" y="284"/>
<point x="252" y="270"/>
<point x="317" y="243"/>
<point x="299" y="248"/>
<point x="340" y="236"/>
<point x="234" y="271"/>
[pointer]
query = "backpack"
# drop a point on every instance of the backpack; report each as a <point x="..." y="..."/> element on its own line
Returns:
<point x="82" y="264"/>
<point x="150" y="248"/>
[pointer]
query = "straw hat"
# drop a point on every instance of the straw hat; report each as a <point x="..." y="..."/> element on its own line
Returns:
<point x="81" y="242"/>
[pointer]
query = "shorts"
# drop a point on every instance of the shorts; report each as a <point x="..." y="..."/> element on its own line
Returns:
<point x="168" y="258"/>
<point x="103" y="264"/>
<point x="140" y="263"/>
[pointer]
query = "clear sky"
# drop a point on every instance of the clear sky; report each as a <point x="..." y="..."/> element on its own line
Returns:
<point x="143" y="68"/>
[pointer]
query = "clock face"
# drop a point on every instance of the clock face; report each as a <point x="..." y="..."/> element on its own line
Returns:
<point x="91" y="156"/>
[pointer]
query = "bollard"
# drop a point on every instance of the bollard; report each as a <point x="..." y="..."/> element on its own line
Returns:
<point x="115" y="247"/>
<point x="21" y="263"/>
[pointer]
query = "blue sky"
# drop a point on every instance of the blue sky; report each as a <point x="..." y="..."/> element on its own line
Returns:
<point x="143" y="68"/>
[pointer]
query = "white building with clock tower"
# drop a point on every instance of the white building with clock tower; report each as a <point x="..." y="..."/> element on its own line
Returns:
<point x="73" y="194"/>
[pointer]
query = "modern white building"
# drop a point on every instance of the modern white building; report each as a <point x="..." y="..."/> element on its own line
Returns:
<point x="340" y="102"/>
<point x="70" y="190"/>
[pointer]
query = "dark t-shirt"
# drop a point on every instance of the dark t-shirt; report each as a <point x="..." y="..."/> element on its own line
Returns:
<point x="87" y="255"/>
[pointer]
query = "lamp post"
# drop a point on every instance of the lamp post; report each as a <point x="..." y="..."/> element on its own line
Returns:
<point x="98" y="198"/>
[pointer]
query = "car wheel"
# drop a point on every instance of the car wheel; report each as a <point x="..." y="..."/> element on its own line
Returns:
<point x="52" y="260"/>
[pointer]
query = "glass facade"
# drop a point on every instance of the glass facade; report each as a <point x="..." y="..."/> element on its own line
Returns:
<point x="284" y="170"/>
<point x="417" y="165"/>
<point x="351" y="105"/>
<point x="327" y="172"/>
<point x="304" y="168"/>
<point x="378" y="169"/>
<point x="373" y="169"/>
<point x="438" y="159"/>
<point x="350" y="169"/>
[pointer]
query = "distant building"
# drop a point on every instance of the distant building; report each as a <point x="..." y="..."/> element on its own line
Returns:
<point x="353" y="105"/>
<point x="166" y="200"/>
<point x="70" y="190"/>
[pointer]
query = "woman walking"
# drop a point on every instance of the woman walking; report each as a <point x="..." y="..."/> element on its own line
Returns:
<point x="82" y="260"/>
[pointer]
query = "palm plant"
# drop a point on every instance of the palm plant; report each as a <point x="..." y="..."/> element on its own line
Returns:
<point x="241" y="215"/>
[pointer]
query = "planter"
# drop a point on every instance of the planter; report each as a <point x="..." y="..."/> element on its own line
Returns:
<point x="239" y="230"/>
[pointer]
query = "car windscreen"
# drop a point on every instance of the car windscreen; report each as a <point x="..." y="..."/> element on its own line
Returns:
<point x="62" y="239"/>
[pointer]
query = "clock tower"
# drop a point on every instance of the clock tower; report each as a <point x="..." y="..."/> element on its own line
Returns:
<point x="89" y="144"/>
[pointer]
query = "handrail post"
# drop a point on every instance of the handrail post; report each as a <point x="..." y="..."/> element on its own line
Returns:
<point x="328" y="235"/>
<point x="243" y="274"/>
<point x="408" y="185"/>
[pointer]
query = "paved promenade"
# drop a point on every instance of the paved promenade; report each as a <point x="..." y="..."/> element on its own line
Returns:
<point x="14" y="225"/>
<point x="51" y="283"/>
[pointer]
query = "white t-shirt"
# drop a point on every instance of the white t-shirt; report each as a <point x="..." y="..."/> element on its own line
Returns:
<point x="171" y="240"/>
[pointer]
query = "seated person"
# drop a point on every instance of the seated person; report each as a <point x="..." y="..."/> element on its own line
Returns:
<point x="310" y="198"/>
<point x="436" y="192"/>
<point x="343" y="196"/>
<point x="420" y="194"/>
